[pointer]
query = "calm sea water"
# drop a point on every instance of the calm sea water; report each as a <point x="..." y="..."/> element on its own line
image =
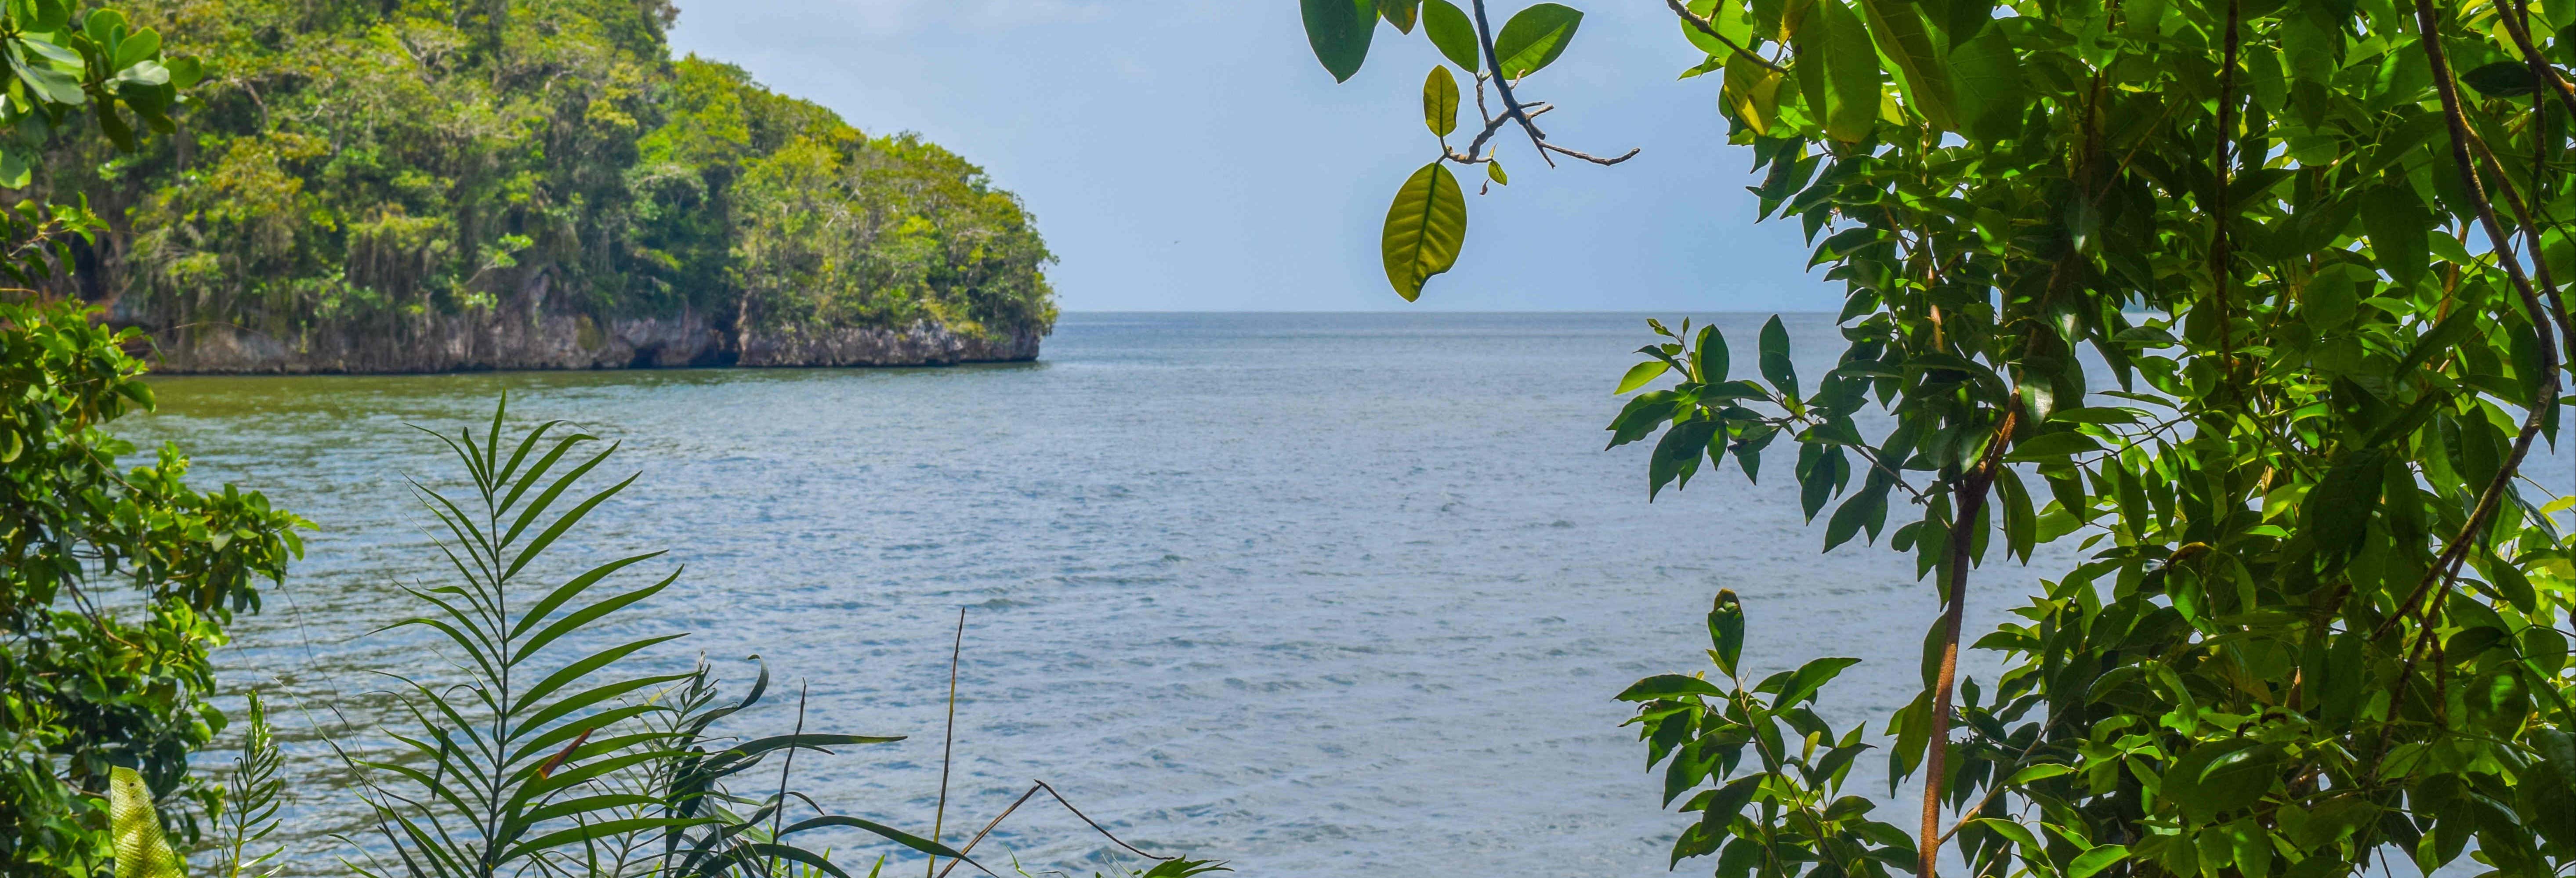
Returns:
<point x="1331" y="595"/>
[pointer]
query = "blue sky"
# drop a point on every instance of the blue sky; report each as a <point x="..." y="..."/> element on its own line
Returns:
<point x="1191" y="155"/>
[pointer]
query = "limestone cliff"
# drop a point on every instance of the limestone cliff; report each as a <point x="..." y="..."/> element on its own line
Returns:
<point x="523" y="333"/>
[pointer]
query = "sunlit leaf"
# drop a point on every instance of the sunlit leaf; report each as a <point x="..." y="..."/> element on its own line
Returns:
<point x="1425" y="227"/>
<point x="1440" y="101"/>
<point x="1534" y="37"/>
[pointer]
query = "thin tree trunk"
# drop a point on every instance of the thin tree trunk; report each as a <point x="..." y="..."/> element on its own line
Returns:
<point x="1971" y="495"/>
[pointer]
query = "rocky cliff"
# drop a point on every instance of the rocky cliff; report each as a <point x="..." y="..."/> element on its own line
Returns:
<point x="523" y="333"/>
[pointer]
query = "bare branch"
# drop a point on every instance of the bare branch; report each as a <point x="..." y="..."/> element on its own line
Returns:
<point x="1559" y="150"/>
<point x="1476" y="153"/>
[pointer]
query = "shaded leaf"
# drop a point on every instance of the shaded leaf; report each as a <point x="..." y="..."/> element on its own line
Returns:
<point x="1339" y="32"/>
<point x="1450" y="30"/>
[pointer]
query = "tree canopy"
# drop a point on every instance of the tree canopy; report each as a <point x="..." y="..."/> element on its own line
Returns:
<point x="347" y="163"/>
<point x="2251" y="304"/>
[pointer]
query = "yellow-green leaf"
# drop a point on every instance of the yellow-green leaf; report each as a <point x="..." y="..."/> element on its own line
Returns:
<point x="1400" y="13"/>
<point x="2096" y="860"/>
<point x="1494" y="172"/>
<point x="1639" y="374"/>
<point x="1752" y="91"/>
<point x="1424" y="229"/>
<point x="1440" y="101"/>
<point x="1851" y="72"/>
<point x="141" y="852"/>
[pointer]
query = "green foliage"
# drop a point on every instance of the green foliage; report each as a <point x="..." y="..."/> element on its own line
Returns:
<point x="353" y="164"/>
<point x="114" y="586"/>
<point x="540" y="760"/>
<point x="1534" y="38"/>
<point x="2318" y="617"/>
<point x="828" y="227"/>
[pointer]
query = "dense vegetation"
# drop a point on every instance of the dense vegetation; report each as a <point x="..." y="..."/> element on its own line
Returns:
<point x="115" y="583"/>
<point x="348" y="164"/>
<point x="2320" y="616"/>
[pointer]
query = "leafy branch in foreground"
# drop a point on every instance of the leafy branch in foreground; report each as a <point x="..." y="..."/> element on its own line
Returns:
<point x="115" y="582"/>
<point x="1428" y="221"/>
<point x="2319" y="618"/>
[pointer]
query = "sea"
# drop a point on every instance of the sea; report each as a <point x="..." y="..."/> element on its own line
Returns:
<point x="1312" y="594"/>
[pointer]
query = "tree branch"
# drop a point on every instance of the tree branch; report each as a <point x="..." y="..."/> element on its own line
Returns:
<point x="2439" y="578"/>
<point x="1936" y="757"/>
<point x="1703" y="26"/>
<point x="1512" y="107"/>
<point x="1476" y="153"/>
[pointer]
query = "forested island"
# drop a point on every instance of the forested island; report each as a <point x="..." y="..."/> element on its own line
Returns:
<point x="414" y="187"/>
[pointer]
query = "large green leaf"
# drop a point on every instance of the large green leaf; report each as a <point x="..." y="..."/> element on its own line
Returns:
<point x="1669" y="686"/>
<point x="1808" y="679"/>
<point x="2399" y="234"/>
<point x="1424" y="229"/>
<point x="1752" y="91"/>
<point x="2548" y="792"/>
<point x="2502" y="79"/>
<point x="1726" y="630"/>
<point x="1708" y="356"/>
<point x="1534" y="38"/>
<point x="1449" y="29"/>
<point x="2092" y="862"/>
<point x="1678" y="454"/>
<point x="1639" y="374"/>
<point x="1922" y="75"/>
<point x="2339" y="508"/>
<point x="1851" y="72"/>
<point x="1339" y="31"/>
<point x="1776" y="367"/>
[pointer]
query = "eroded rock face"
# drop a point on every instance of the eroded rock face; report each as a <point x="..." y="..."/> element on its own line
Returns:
<point x="921" y="343"/>
<point x="521" y="334"/>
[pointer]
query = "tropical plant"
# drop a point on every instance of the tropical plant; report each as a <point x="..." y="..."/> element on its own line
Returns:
<point x="253" y="794"/>
<point x="546" y="756"/>
<point x="2320" y="621"/>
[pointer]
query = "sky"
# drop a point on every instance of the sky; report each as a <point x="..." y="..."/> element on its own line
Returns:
<point x="1191" y="155"/>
